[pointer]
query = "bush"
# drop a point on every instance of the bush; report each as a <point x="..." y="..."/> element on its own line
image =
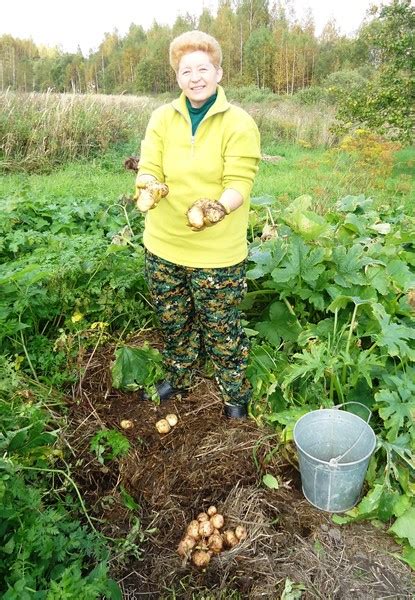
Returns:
<point x="251" y="94"/>
<point x="342" y="83"/>
<point x="312" y="95"/>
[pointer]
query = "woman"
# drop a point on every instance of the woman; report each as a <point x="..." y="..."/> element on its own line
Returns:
<point x="198" y="161"/>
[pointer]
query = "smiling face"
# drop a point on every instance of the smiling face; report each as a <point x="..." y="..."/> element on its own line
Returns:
<point x="197" y="77"/>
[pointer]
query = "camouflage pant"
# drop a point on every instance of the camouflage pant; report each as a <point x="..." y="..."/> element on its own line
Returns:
<point x="198" y="314"/>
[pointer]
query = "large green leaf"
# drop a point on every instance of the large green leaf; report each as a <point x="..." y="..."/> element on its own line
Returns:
<point x="348" y="265"/>
<point x="135" y="367"/>
<point x="397" y="407"/>
<point x="354" y="203"/>
<point x="281" y="324"/>
<point x="302" y="262"/>
<point x="304" y="221"/>
<point x="404" y="526"/>
<point x="401" y="274"/>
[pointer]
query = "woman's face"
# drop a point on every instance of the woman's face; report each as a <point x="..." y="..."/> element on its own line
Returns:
<point x="198" y="77"/>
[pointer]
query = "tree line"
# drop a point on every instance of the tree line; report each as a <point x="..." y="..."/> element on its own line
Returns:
<point x="263" y="45"/>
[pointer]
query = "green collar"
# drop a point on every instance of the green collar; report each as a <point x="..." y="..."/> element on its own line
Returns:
<point x="197" y="114"/>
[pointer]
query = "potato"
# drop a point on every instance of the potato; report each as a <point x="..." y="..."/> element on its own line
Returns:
<point x="240" y="532"/>
<point x="172" y="419"/>
<point x="147" y="195"/>
<point x="205" y="529"/>
<point x="230" y="538"/>
<point x="185" y="546"/>
<point x="202" y="517"/>
<point x="195" y="217"/>
<point x="145" y="201"/>
<point x="212" y="510"/>
<point x="193" y="529"/>
<point x="213" y="212"/>
<point x="201" y="558"/>
<point x="217" y="521"/>
<point x="126" y="424"/>
<point x="163" y="426"/>
<point x="215" y="543"/>
<point x="269" y="232"/>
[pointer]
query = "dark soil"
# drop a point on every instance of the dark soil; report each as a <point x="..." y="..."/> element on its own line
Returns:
<point x="207" y="460"/>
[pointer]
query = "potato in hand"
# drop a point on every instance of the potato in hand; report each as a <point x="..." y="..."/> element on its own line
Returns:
<point x="148" y="194"/>
<point x="204" y="213"/>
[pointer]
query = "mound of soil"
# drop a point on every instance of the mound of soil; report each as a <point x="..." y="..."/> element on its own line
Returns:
<point x="207" y="460"/>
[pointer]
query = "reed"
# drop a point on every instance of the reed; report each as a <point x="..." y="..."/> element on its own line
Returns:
<point x="41" y="131"/>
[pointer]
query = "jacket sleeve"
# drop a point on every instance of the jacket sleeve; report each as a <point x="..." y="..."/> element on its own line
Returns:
<point x="241" y="158"/>
<point x="152" y="147"/>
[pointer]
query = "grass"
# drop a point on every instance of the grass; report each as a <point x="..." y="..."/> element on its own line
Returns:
<point x="327" y="175"/>
<point x="39" y="132"/>
<point x="322" y="173"/>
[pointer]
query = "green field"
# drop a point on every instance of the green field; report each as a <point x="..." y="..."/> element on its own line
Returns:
<point x="330" y="313"/>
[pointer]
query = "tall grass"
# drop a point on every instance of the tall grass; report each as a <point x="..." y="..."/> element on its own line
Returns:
<point x="41" y="131"/>
<point x="287" y="122"/>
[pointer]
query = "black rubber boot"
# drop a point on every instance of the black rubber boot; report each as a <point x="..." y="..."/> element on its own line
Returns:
<point x="235" y="411"/>
<point x="165" y="390"/>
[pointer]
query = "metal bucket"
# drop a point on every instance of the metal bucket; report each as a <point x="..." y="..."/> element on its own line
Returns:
<point x="334" y="448"/>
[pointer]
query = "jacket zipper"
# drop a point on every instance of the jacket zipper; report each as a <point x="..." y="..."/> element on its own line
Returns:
<point x="192" y="146"/>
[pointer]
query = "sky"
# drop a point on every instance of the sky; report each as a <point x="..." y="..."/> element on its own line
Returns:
<point x="84" y="22"/>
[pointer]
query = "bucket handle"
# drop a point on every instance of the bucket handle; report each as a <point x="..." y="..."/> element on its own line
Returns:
<point x="360" y="404"/>
<point x="333" y="462"/>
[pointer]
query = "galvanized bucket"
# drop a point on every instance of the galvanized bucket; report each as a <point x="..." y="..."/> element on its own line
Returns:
<point x="334" y="448"/>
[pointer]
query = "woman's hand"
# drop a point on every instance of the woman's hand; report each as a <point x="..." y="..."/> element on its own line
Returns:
<point x="149" y="193"/>
<point x="204" y="213"/>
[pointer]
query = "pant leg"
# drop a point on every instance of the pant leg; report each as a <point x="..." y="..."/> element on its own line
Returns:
<point x="173" y="303"/>
<point x="217" y="294"/>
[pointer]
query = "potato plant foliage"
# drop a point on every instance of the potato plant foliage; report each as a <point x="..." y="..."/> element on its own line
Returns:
<point x="46" y="552"/>
<point x="331" y="313"/>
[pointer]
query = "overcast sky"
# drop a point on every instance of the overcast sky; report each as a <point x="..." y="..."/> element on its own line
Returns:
<point x="84" y="22"/>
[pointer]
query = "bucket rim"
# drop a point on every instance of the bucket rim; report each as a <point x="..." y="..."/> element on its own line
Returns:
<point x="326" y="462"/>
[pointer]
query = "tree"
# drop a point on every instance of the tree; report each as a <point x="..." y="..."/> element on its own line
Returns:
<point x="386" y="104"/>
<point x="259" y="52"/>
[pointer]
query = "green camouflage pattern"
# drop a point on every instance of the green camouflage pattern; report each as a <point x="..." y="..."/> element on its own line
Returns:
<point x="197" y="310"/>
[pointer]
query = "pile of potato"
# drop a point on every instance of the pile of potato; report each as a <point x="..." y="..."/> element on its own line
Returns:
<point x="204" y="538"/>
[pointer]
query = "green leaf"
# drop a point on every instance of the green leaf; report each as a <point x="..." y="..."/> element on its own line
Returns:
<point x="270" y="481"/>
<point x="343" y="301"/>
<point x="302" y="262"/>
<point x="378" y="277"/>
<point x="394" y="337"/>
<point x="353" y="203"/>
<point x="370" y="503"/>
<point x="397" y="409"/>
<point x="404" y="526"/>
<point x="128" y="500"/>
<point x="303" y="221"/>
<point x="136" y="367"/>
<point x="401" y="274"/>
<point x="268" y="331"/>
<point x="348" y="265"/>
<point x="114" y="590"/>
<point x="408" y="556"/>
<point x="282" y="324"/>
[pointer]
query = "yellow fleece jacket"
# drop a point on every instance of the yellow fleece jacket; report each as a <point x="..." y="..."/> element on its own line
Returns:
<point x="224" y="153"/>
